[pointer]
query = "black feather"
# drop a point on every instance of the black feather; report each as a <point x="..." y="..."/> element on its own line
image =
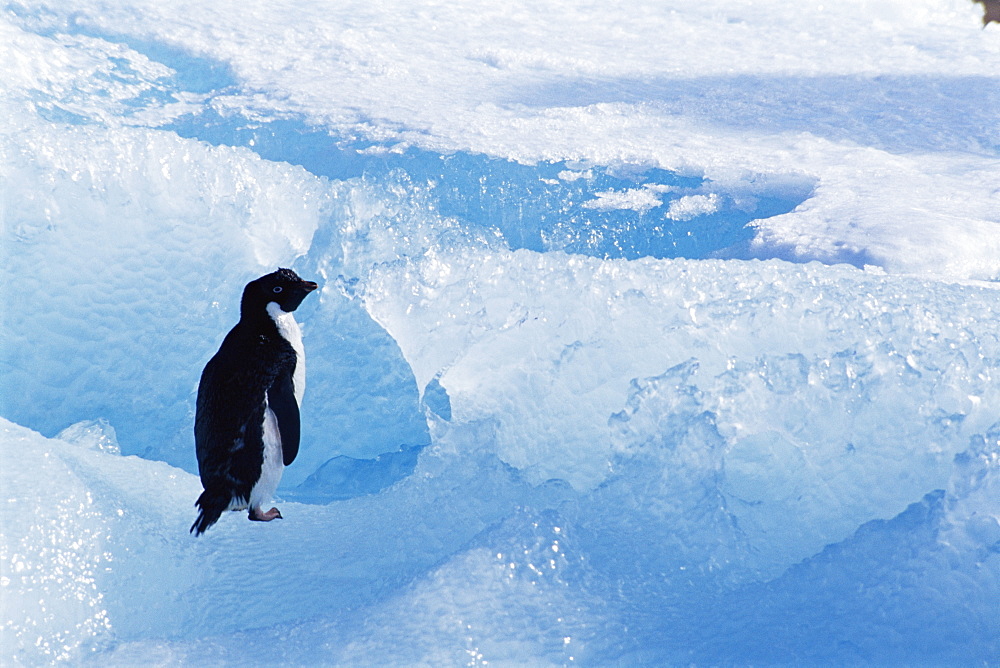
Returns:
<point x="210" y="508"/>
<point x="281" y="401"/>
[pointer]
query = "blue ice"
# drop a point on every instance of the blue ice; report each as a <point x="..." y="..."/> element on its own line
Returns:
<point x="555" y="413"/>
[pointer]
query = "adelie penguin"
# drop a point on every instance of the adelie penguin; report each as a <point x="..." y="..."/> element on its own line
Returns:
<point x="246" y="428"/>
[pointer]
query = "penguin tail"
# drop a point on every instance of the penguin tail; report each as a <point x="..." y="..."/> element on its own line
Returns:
<point x="210" y="506"/>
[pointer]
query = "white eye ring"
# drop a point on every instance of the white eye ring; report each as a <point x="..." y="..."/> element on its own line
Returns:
<point x="277" y="289"/>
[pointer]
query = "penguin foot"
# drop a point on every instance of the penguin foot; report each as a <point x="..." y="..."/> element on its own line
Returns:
<point x="256" y="516"/>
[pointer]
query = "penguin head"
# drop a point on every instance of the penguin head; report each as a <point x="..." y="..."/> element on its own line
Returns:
<point x="283" y="287"/>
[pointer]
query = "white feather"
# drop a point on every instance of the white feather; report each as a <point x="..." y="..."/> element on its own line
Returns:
<point x="273" y="466"/>
<point x="289" y="330"/>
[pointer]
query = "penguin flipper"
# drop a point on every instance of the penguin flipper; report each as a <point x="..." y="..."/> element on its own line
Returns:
<point x="281" y="401"/>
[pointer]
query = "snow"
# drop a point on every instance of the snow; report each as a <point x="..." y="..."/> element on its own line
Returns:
<point x="637" y="199"/>
<point x="648" y="333"/>
<point x="690" y="206"/>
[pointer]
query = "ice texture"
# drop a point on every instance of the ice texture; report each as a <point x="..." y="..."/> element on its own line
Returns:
<point x="648" y="334"/>
<point x="765" y="384"/>
<point x="130" y="262"/>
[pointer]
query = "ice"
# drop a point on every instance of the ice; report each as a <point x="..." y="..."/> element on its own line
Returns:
<point x="890" y="110"/>
<point x="51" y="554"/>
<point x="95" y="434"/>
<point x="449" y="565"/>
<point x="345" y="477"/>
<point x="130" y="263"/>
<point x="517" y="592"/>
<point x="794" y="443"/>
<point x="107" y="287"/>
<point x="81" y="552"/>
<point x="647" y="335"/>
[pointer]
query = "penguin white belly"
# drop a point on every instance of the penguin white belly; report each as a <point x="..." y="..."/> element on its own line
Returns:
<point x="289" y="330"/>
<point x="273" y="465"/>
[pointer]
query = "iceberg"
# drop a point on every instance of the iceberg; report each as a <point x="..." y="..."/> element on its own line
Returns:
<point x="660" y="335"/>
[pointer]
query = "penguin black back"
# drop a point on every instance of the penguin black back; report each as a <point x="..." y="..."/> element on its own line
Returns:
<point x="247" y="420"/>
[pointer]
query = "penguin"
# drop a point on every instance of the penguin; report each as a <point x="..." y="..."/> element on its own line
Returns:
<point x="246" y="426"/>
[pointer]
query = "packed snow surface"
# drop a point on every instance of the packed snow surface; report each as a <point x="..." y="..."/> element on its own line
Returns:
<point x="649" y="333"/>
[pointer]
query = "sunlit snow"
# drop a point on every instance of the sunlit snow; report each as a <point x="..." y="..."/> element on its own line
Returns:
<point x="648" y="333"/>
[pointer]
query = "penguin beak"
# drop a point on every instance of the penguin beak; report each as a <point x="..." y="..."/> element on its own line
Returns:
<point x="309" y="286"/>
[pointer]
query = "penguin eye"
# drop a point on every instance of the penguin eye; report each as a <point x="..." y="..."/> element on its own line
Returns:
<point x="276" y="289"/>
